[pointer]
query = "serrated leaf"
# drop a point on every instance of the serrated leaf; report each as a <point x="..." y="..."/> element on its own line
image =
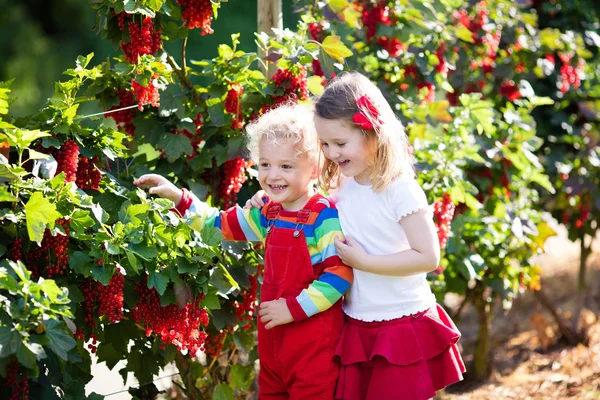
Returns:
<point x="334" y="46"/>
<point x="103" y="273"/>
<point x="50" y="288"/>
<point x="22" y="272"/>
<point x="70" y="113"/>
<point x="79" y="261"/>
<point x="60" y="340"/>
<point x="129" y="213"/>
<point x="81" y="220"/>
<point x="39" y="213"/>
<point x="175" y="146"/>
<point x="216" y="112"/>
<point x="211" y="299"/>
<point x="184" y="266"/>
<point x="223" y="392"/>
<point x="211" y="236"/>
<point x="145" y="252"/>
<point x="107" y="353"/>
<point x="157" y="280"/>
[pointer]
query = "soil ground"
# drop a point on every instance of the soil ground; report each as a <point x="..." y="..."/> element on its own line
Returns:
<point x="531" y="360"/>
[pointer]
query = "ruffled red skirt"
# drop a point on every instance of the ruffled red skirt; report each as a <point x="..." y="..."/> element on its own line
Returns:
<point x="408" y="358"/>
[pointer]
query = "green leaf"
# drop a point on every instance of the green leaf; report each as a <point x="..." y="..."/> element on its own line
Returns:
<point x="145" y="252"/>
<point x="9" y="340"/>
<point x="223" y="392"/>
<point x="154" y="5"/>
<point x="108" y="354"/>
<point x="21" y="271"/>
<point x="241" y="377"/>
<point x="29" y="353"/>
<point x="333" y="46"/>
<point x="39" y="213"/>
<point x="23" y="138"/>
<point x="148" y="150"/>
<point x="5" y="195"/>
<point x="7" y="282"/>
<point x="184" y="266"/>
<point x="216" y="111"/>
<point x="463" y="33"/>
<point x="312" y="46"/>
<point x="315" y="85"/>
<point x="79" y="262"/>
<point x="36" y="155"/>
<point x="175" y="146"/>
<point x="70" y="113"/>
<point x="60" y="340"/>
<point x="157" y="280"/>
<point x="211" y="235"/>
<point x="132" y="261"/>
<point x="129" y="213"/>
<point x="50" y="288"/>
<point x="211" y="299"/>
<point x="80" y="220"/>
<point x="103" y="273"/>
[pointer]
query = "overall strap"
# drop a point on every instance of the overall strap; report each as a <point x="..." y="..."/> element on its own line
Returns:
<point x="272" y="213"/>
<point x="303" y="215"/>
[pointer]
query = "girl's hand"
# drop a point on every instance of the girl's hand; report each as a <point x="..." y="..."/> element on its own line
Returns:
<point x="351" y="252"/>
<point x="275" y="312"/>
<point x="256" y="201"/>
<point x="160" y="186"/>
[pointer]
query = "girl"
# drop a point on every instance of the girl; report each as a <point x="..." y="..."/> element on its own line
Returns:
<point x="397" y="343"/>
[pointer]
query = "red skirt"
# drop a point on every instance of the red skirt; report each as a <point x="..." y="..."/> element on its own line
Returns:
<point x="407" y="358"/>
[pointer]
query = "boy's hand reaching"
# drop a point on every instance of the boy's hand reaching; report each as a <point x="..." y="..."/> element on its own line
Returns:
<point x="275" y="312"/>
<point x="160" y="186"/>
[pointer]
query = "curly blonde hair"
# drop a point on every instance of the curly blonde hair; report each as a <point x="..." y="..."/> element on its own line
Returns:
<point x="387" y="140"/>
<point x="289" y="123"/>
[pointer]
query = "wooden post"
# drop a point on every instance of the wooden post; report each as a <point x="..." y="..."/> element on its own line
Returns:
<point x="270" y="16"/>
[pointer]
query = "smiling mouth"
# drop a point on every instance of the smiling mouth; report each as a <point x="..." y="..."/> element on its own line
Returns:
<point x="277" y="187"/>
<point x="343" y="163"/>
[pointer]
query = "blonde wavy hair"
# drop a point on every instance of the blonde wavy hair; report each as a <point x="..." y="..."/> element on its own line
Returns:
<point x="289" y="123"/>
<point x="387" y="140"/>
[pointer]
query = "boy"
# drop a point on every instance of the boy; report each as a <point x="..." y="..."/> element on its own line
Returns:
<point x="300" y="317"/>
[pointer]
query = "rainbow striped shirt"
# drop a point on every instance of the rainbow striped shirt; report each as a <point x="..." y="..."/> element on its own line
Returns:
<point x="321" y="229"/>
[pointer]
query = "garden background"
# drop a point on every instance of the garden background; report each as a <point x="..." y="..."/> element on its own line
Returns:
<point x="501" y="101"/>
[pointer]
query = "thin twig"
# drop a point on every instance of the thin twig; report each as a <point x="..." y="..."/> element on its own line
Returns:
<point x="183" y="78"/>
<point x="183" y="61"/>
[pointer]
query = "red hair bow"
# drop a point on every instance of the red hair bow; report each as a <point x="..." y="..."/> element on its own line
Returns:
<point x="365" y="104"/>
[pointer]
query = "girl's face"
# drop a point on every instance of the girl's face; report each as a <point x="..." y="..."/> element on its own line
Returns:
<point x="346" y="146"/>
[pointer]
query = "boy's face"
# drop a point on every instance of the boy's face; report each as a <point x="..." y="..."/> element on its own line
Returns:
<point x="285" y="176"/>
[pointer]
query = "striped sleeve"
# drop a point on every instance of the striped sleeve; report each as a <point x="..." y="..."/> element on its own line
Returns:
<point x="336" y="277"/>
<point x="235" y="224"/>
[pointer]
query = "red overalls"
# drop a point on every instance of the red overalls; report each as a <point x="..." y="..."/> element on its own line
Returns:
<point x="296" y="359"/>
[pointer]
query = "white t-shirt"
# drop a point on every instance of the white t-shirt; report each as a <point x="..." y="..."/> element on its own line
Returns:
<point x="372" y="220"/>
